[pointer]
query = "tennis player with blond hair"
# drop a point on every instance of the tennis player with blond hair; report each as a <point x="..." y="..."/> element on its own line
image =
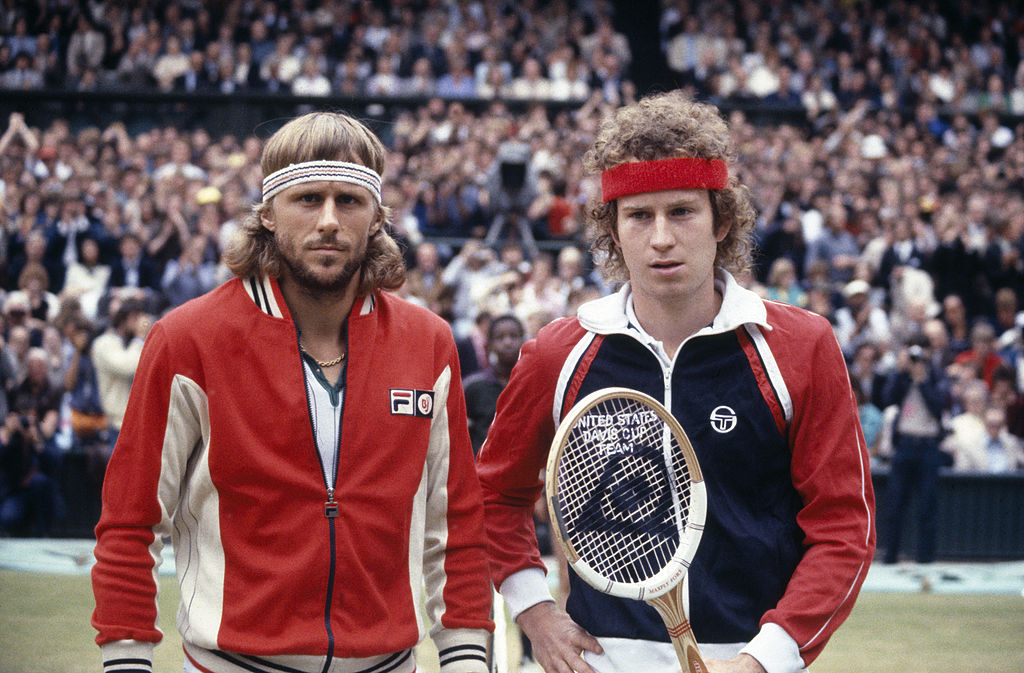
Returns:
<point x="300" y="436"/>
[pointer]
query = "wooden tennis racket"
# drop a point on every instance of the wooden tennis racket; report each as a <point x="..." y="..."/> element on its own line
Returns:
<point x="628" y="504"/>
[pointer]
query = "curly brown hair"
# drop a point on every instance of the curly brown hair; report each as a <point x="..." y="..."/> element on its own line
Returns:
<point x="311" y="137"/>
<point x="665" y="126"/>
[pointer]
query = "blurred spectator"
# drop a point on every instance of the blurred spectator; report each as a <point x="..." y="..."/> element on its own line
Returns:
<point x="835" y="245"/>
<point x="783" y="285"/>
<point x="259" y="40"/>
<point x="1006" y="395"/>
<point x="571" y="269"/>
<point x="133" y="274"/>
<point x="980" y="440"/>
<point x="349" y="78"/>
<point x="86" y="48"/>
<point x="421" y="81"/>
<point x="179" y="163"/>
<point x="34" y="282"/>
<point x="967" y="427"/>
<point x="423" y="280"/>
<point x="543" y="290"/>
<point x="245" y="74"/>
<point x="18" y="318"/>
<point x="136" y="66"/>
<point x="457" y="81"/>
<point x="872" y="424"/>
<point x="1006" y="318"/>
<point x="911" y="302"/>
<point x="385" y="80"/>
<point x="87" y="278"/>
<point x="115" y="356"/>
<point x="934" y="331"/>
<point x="981" y="356"/>
<point x="311" y="80"/>
<point x="192" y="274"/>
<point x="954" y="315"/>
<point x="505" y="337"/>
<point x="427" y="45"/>
<point x="490" y="61"/>
<point x="919" y="392"/>
<point x="531" y="84"/>
<point x="18" y="140"/>
<point x="605" y="39"/>
<point x="473" y="268"/>
<point x="279" y="68"/>
<point x="30" y="499"/>
<point x="23" y="74"/>
<point x="608" y="79"/>
<point x="196" y="78"/>
<point x="551" y="214"/>
<point x="19" y="40"/>
<point x="88" y="422"/>
<point x="784" y="238"/>
<point x="171" y="65"/>
<point x="1003" y="451"/>
<point x="860" y="321"/>
<point x="903" y="252"/>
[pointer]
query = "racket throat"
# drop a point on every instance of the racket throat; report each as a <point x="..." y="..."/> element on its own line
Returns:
<point x="670" y="608"/>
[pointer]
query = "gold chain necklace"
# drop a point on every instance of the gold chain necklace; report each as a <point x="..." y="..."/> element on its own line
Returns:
<point x="326" y="364"/>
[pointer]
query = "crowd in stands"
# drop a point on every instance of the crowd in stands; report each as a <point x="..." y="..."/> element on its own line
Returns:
<point x="895" y="209"/>
<point x="821" y="56"/>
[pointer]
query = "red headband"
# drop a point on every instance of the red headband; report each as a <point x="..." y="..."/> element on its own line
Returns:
<point x="640" y="177"/>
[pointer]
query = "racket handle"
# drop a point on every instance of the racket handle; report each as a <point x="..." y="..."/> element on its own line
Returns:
<point x="670" y="607"/>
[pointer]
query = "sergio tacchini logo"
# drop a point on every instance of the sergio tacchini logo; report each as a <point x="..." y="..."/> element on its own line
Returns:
<point x="723" y="419"/>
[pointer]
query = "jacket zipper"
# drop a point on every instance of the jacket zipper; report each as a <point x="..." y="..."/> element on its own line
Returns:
<point x="330" y="511"/>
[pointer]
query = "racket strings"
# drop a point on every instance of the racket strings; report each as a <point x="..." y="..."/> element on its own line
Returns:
<point x="623" y="490"/>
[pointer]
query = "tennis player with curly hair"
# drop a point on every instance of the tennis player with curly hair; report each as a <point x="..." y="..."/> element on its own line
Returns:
<point x="760" y="388"/>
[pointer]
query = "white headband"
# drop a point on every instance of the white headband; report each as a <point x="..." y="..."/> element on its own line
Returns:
<point x="315" y="171"/>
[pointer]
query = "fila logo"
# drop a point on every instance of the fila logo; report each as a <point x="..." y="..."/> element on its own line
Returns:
<point x="723" y="419"/>
<point x="405" y="402"/>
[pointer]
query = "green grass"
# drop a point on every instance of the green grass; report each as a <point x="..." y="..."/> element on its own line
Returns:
<point x="45" y="627"/>
<point x="928" y="633"/>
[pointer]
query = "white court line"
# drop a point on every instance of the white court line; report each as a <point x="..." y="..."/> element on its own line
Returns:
<point x="74" y="556"/>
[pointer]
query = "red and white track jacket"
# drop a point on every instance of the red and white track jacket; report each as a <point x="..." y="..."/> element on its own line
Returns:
<point x="217" y="452"/>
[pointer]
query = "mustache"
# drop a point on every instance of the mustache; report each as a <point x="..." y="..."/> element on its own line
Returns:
<point x="329" y="243"/>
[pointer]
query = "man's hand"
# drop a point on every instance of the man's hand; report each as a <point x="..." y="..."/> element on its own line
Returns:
<point x="558" y="642"/>
<point x="742" y="663"/>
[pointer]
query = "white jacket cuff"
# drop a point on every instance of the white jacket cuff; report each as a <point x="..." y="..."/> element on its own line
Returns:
<point x="121" y="654"/>
<point x="775" y="649"/>
<point x="523" y="589"/>
<point x="462" y="650"/>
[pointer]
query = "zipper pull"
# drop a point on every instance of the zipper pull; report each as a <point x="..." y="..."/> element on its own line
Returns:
<point x="331" y="506"/>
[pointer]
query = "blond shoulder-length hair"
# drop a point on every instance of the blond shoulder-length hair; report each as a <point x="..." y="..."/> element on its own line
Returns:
<point x="666" y="126"/>
<point x="312" y="137"/>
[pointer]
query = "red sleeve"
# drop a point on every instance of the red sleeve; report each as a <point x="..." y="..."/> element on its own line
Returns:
<point x="830" y="470"/>
<point x="128" y="536"/>
<point x="513" y="457"/>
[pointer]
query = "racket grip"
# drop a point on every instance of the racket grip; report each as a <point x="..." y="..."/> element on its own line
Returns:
<point x="670" y="607"/>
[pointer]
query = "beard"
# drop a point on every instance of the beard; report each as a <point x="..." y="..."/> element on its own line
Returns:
<point x="320" y="279"/>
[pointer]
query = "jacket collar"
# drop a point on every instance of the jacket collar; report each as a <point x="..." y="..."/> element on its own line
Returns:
<point x="266" y="294"/>
<point x="614" y="313"/>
